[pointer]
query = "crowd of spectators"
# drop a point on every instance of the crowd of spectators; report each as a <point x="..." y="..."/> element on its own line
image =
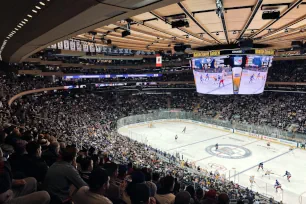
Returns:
<point x="63" y="147"/>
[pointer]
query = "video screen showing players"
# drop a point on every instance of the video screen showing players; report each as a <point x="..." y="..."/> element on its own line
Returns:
<point x="214" y="81"/>
<point x="234" y="74"/>
<point x="254" y="75"/>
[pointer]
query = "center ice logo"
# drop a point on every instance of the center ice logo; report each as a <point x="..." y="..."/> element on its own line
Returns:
<point x="229" y="151"/>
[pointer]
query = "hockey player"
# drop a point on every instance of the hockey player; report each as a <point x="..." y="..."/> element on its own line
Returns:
<point x="184" y="130"/>
<point x="277" y="185"/>
<point x="215" y="79"/>
<point x="252" y="180"/>
<point x="176" y="137"/>
<point x="268" y="145"/>
<point x="201" y="78"/>
<point x="221" y="82"/>
<point x="260" y="165"/>
<point x="217" y="146"/>
<point x="258" y="76"/>
<point x="288" y="174"/>
<point x="207" y="77"/>
<point x="268" y="173"/>
<point x="251" y="78"/>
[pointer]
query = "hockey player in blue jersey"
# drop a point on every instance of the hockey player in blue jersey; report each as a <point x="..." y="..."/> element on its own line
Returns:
<point x="260" y="165"/>
<point x="258" y="76"/>
<point x="219" y="77"/>
<point x="277" y="185"/>
<point x="251" y="78"/>
<point x="217" y="146"/>
<point x="288" y="174"/>
<point x="207" y="77"/>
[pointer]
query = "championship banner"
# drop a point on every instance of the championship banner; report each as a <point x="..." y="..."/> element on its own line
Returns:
<point x="66" y="45"/>
<point x="72" y="45"/>
<point x="78" y="46"/>
<point x="85" y="47"/>
<point x="60" y="45"/>
<point x="98" y="48"/>
<point x="92" y="48"/>
<point x="158" y="61"/>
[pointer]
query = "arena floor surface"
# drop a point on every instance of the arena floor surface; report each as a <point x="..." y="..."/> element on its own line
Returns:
<point x="238" y="156"/>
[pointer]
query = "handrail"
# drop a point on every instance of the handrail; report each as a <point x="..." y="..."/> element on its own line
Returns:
<point x="33" y="91"/>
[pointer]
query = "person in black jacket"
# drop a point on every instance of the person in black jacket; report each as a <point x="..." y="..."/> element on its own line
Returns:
<point x="35" y="166"/>
<point x="51" y="155"/>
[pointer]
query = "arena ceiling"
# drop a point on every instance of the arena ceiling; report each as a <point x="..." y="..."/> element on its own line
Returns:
<point x="57" y="20"/>
<point x="239" y="19"/>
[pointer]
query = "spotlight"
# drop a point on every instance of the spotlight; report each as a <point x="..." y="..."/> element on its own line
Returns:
<point x="286" y="30"/>
<point x="37" y="7"/>
<point x="252" y="31"/>
<point x="217" y="33"/>
<point x="29" y="16"/>
<point x="25" y="20"/>
<point x="42" y="3"/>
<point x="34" y="11"/>
<point x="187" y="36"/>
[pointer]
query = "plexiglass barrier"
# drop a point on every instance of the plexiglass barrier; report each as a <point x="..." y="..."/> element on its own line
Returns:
<point x="173" y="114"/>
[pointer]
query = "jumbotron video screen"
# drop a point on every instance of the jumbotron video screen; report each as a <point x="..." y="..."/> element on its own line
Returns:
<point x="231" y="74"/>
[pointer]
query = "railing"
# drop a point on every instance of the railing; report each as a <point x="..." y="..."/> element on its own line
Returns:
<point x="175" y="114"/>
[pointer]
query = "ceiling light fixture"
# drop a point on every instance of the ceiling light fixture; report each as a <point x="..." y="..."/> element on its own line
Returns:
<point x="29" y="16"/>
<point x="16" y="29"/>
<point x="217" y="33"/>
<point x="34" y="11"/>
<point x="252" y="31"/>
<point x="26" y="20"/>
<point x="23" y="22"/>
<point x="42" y="3"/>
<point x="18" y="26"/>
<point x="37" y="7"/>
<point x="286" y="30"/>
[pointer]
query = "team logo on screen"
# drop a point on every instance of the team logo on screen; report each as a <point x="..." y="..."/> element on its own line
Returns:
<point x="229" y="151"/>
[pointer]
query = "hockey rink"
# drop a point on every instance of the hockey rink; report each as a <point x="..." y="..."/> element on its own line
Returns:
<point x="238" y="156"/>
<point x="252" y="87"/>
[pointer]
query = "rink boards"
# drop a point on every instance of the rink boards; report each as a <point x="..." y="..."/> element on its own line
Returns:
<point x="226" y="129"/>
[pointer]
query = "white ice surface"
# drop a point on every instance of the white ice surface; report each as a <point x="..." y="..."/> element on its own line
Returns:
<point x="256" y="86"/>
<point x="192" y="145"/>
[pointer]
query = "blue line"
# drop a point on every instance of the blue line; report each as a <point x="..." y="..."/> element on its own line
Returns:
<point x="198" y="142"/>
<point x="263" y="162"/>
